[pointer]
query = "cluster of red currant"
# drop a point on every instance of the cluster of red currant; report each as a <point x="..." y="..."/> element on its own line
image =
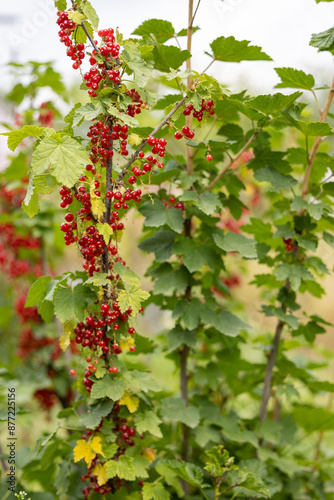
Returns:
<point x="13" y="248"/>
<point x="288" y="244"/>
<point x="134" y="109"/>
<point x="100" y="137"/>
<point x="205" y="107"/>
<point x="189" y="134"/>
<point x="46" y="115"/>
<point x="173" y="203"/>
<point x="125" y="437"/>
<point x="29" y="343"/>
<point x="67" y="26"/>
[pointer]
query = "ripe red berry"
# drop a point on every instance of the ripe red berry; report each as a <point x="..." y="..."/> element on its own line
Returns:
<point x="178" y="135"/>
<point x="209" y="157"/>
<point x="72" y="372"/>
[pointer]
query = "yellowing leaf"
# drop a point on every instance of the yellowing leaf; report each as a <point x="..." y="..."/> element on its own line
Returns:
<point x="96" y="445"/>
<point x="98" y="207"/>
<point x="76" y="16"/>
<point x="65" y="339"/>
<point x="83" y="451"/>
<point x="127" y="343"/>
<point x="132" y="298"/>
<point x="134" y="139"/>
<point x="88" y="451"/>
<point x="100" y="472"/>
<point x="131" y="402"/>
<point x="106" y="231"/>
<point x="149" y="454"/>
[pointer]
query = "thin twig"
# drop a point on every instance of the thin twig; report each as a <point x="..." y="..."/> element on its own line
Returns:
<point x="316" y="144"/>
<point x="144" y="142"/>
<point x="230" y="488"/>
<point x="233" y="159"/>
<point x="193" y="18"/>
<point x="208" y="66"/>
<point x="269" y="371"/>
<point x="316" y="100"/>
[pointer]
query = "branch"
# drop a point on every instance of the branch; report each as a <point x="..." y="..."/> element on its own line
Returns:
<point x="106" y="216"/>
<point x="280" y="324"/>
<point x="269" y="371"/>
<point x="230" y="488"/>
<point x="316" y="144"/>
<point x="235" y="158"/>
<point x="144" y="142"/>
<point x="83" y="26"/>
<point x="193" y="18"/>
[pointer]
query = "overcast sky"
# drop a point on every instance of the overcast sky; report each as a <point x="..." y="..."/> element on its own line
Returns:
<point x="281" y="27"/>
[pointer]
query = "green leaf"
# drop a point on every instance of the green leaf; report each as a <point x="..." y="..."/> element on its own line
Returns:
<point x="271" y="104"/>
<point x="46" y="311"/>
<point x="315" y="128"/>
<point x="73" y="303"/>
<point x="160" y="177"/>
<point x="156" y="491"/>
<point x="184" y="31"/>
<point x="278" y="180"/>
<point x="98" y="279"/>
<point x="161" y="244"/>
<point x="189" y="312"/>
<point x="324" y="40"/>
<point x="249" y="482"/>
<point x="328" y="238"/>
<point x="61" y="4"/>
<point x="225" y="322"/>
<point x="313" y="419"/>
<point x="15" y="137"/>
<point x="66" y="157"/>
<point x="295" y="273"/>
<point x="89" y="11"/>
<point x="169" y="280"/>
<point x="141" y="381"/>
<point x="234" y="242"/>
<point x="165" y="101"/>
<point x="37" y="185"/>
<point x="37" y="291"/>
<point x="162" y="30"/>
<point x="187" y="471"/>
<point x="110" y="387"/>
<point x="158" y="215"/>
<point x="93" y="415"/>
<point x="196" y="256"/>
<point x="122" y="468"/>
<point x="231" y="50"/>
<point x="86" y="112"/>
<point x="169" y="57"/>
<point x="61" y="482"/>
<point x="207" y="202"/>
<point x="132" y="298"/>
<point x="170" y="478"/>
<point x="294" y="79"/>
<point x="141" y="464"/>
<point x="175" y="410"/>
<point x="128" y="277"/>
<point x="289" y="319"/>
<point x="178" y="337"/>
<point x="142" y="70"/>
<point x="148" y="422"/>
